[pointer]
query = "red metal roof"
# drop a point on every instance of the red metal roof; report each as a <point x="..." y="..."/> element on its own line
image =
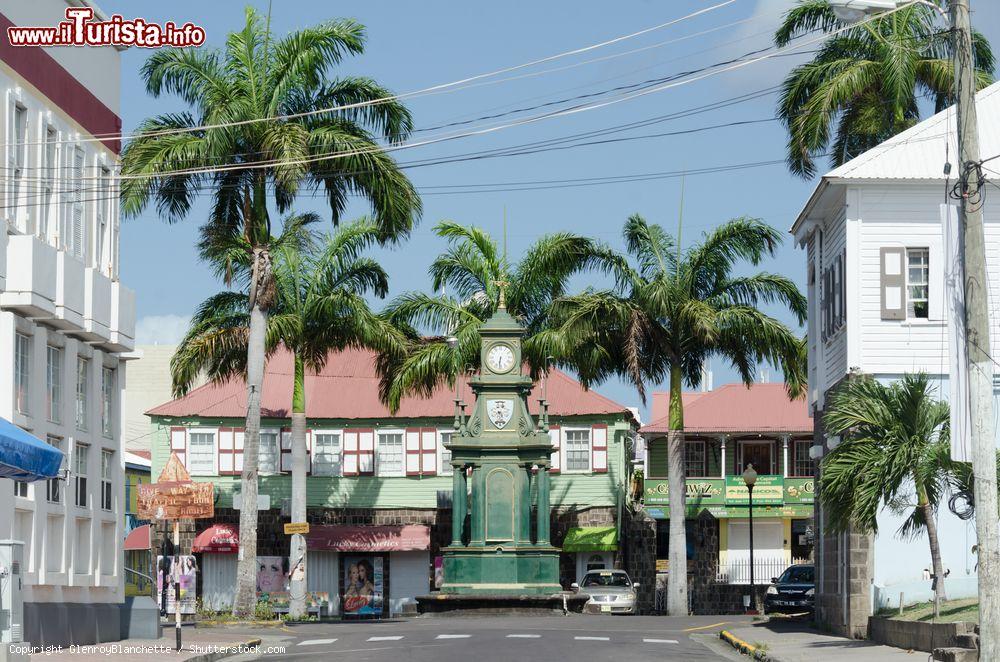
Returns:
<point x="347" y="388"/>
<point x="736" y="408"/>
<point x="661" y="402"/>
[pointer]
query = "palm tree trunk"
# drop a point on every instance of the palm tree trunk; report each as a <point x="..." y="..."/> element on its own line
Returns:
<point x="298" y="584"/>
<point x="677" y="602"/>
<point x="932" y="538"/>
<point x="245" y="601"/>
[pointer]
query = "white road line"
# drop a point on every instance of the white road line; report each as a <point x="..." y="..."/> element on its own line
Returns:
<point x="523" y="636"/>
<point x="592" y="638"/>
<point x="395" y="638"/>
<point x="659" y="641"/>
<point x="453" y="636"/>
<point x="316" y="642"/>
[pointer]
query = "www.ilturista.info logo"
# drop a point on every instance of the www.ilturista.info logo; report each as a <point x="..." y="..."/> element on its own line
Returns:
<point x="79" y="29"/>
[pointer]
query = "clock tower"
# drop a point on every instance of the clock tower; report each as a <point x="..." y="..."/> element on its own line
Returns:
<point x="500" y="501"/>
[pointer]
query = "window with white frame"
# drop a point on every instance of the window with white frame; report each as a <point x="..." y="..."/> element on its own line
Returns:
<point x="804" y="465"/>
<point x="53" y="383"/>
<point x="17" y="153"/>
<point x="833" y="297"/>
<point x="80" y="462"/>
<point x="444" y="460"/>
<point x="103" y="217"/>
<point x="53" y="487"/>
<point x="577" y="449"/>
<point x="20" y="488"/>
<point x="82" y="389"/>
<point x="201" y="453"/>
<point x="48" y="178"/>
<point x="270" y="453"/>
<point x="75" y="239"/>
<point x="22" y="372"/>
<point x="107" y="457"/>
<point x="694" y="458"/>
<point x="390" y="460"/>
<point x="326" y="454"/>
<point x="917" y="282"/>
<point x="107" y="401"/>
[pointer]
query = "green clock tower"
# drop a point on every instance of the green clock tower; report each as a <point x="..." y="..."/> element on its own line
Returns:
<point x="501" y="451"/>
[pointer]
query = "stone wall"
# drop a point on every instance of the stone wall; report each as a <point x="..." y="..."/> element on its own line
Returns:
<point x="916" y="635"/>
<point x="564" y="519"/>
<point x="703" y="568"/>
<point x="638" y="550"/>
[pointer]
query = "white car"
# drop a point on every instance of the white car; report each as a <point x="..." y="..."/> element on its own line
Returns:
<point x="610" y="591"/>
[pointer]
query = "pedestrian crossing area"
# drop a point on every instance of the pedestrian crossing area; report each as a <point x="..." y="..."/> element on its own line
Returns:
<point x="513" y="635"/>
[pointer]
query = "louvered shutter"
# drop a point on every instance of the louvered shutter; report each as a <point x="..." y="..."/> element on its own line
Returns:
<point x="239" y="441"/>
<point x="351" y="452"/>
<point x="555" y="434"/>
<point x="428" y="451"/>
<point x="893" y="282"/>
<point x="76" y="220"/>
<point x="366" y="452"/>
<point x="599" y="448"/>
<point x="227" y="447"/>
<point x="411" y="444"/>
<point x="178" y="443"/>
<point x="11" y="154"/>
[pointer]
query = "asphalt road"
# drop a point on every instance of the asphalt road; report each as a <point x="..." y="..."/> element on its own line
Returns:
<point x="495" y="639"/>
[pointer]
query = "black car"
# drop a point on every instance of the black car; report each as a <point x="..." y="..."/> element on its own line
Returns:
<point x="793" y="592"/>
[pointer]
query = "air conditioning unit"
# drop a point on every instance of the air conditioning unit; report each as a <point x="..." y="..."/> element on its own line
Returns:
<point x="11" y="599"/>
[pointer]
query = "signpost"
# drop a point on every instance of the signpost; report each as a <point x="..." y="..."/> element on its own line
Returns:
<point x="296" y="527"/>
<point x="172" y="497"/>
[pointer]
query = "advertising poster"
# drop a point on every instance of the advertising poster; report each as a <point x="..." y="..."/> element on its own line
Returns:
<point x="363" y="585"/>
<point x="271" y="574"/>
<point x="184" y="573"/>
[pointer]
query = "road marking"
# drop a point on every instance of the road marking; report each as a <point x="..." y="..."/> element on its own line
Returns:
<point x="592" y="638"/>
<point x="706" y="627"/>
<point x="523" y="636"/>
<point x="316" y="642"/>
<point x="395" y="638"/>
<point x="453" y="636"/>
<point x="659" y="641"/>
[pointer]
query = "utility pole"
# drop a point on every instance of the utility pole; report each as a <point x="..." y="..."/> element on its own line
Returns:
<point x="972" y="252"/>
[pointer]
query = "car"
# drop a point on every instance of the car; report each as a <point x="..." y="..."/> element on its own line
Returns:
<point x="610" y="591"/>
<point x="793" y="592"/>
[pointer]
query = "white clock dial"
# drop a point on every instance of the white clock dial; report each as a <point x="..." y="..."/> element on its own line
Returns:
<point x="500" y="358"/>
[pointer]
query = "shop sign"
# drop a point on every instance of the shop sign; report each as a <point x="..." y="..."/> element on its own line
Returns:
<point x="799" y="490"/>
<point x="767" y="490"/>
<point x="699" y="491"/>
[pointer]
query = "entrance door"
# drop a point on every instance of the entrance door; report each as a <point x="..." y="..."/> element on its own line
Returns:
<point x="757" y="453"/>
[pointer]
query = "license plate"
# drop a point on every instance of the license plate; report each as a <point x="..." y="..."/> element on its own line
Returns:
<point x="785" y="603"/>
<point x="605" y="607"/>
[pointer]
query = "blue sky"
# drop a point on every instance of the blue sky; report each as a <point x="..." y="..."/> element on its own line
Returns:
<point x="412" y="46"/>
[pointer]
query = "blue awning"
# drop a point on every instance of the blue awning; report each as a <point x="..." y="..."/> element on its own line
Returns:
<point x="26" y="457"/>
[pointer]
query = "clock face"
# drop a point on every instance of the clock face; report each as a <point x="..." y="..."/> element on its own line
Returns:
<point x="500" y="358"/>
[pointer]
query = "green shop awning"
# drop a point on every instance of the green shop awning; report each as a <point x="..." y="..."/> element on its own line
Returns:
<point x="591" y="539"/>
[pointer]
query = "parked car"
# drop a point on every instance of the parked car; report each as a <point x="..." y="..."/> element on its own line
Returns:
<point x="793" y="592"/>
<point x="610" y="591"/>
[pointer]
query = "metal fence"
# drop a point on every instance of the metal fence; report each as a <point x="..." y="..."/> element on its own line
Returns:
<point x="737" y="571"/>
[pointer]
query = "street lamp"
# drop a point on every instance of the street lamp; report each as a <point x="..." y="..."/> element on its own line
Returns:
<point x="750" y="478"/>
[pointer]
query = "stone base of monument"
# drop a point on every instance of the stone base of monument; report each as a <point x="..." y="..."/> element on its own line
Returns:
<point x="500" y="604"/>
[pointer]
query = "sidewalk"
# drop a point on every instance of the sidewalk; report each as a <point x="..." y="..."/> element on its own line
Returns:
<point x="198" y="645"/>
<point x="790" y="641"/>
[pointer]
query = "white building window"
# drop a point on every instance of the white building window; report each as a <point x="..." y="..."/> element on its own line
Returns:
<point x="103" y="219"/>
<point x="326" y="454"/>
<point x="22" y="372"/>
<point x="201" y="453"/>
<point x="444" y="459"/>
<point x="390" y="461"/>
<point x="107" y="458"/>
<point x="20" y="488"/>
<point x="53" y="383"/>
<point x="270" y="453"/>
<point x="16" y="154"/>
<point x="694" y="459"/>
<point x="804" y="465"/>
<point x="81" y="559"/>
<point x="80" y="470"/>
<point x="107" y="401"/>
<point x="53" y="487"/>
<point x="48" y="177"/>
<point x="577" y="445"/>
<point x="82" y="389"/>
<point x="917" y="280"/>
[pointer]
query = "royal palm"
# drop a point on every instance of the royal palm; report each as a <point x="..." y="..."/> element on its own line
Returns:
<point x="258" y="132"/>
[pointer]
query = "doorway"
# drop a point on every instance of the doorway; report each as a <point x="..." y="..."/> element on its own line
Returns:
<point x="757" y="453"/>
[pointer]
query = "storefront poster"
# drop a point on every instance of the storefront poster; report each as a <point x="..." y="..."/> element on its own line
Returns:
<point x="438" y="571"/>
<point x="182" y="573"/>
<point x="363" y="585"/>
<point x="270" y="574"/>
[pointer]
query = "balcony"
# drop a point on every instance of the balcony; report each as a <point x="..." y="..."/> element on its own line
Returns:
<point x="122" y="318"/>
<point x="70" y="296"/>
<point x="773" y="496"/>
<point x="31" y="269"/>
<point x="97" y="306"/>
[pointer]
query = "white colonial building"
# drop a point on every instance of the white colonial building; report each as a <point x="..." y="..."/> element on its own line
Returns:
<point x="873" y="235"/>
<point x="65" y="320"/>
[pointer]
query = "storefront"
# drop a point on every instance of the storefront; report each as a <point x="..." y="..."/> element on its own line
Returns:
<point x="593" y="548"/>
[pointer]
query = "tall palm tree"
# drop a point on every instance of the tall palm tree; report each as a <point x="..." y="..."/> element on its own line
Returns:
<point x="895" y="452"/>
<point x="258" y="132"/>
<point x="864" y="84"/>
<point x="319" y="308"/>
<point x="472" y="269"/>
<point x="670" y="311"/>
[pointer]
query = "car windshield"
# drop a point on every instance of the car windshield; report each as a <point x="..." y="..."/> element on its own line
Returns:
<point x="606" y="579"/>
<point x="797" y="575"/>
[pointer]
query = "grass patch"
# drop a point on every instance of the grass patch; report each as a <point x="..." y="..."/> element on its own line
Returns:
<point x="966" y="609"/>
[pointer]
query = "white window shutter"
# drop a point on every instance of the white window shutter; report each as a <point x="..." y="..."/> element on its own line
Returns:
<point x="555" y="434"/>
<point x="428" y="451"/>
<point x="935" y="282"/>
<point x="77" y="220"/>
<point x="412" y="451"/>
<point x="893" y="282"/>
<point x="366" y="452"/>
<point x="178" y="439"/>
<point x="599" y="448"/>
<point x="350" y="452"/>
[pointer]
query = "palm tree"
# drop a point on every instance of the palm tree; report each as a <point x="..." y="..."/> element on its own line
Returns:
<point x="896" y="452"/>
<point x="864" y="84"/>
<point x="472" y="269"/>
<point x="319" y="308"/>
<point x="670" y="311"/>
<point x="258" y="132"/>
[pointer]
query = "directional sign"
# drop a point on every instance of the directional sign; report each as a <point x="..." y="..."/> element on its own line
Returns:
<point x="296" y="527"/>
<point x="175" y="495"/>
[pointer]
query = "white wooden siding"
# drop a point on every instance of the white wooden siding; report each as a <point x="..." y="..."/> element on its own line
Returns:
<point x="835" y="347"/>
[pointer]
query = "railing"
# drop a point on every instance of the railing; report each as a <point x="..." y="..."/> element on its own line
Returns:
<point x="737" y="571"/>
<point x="144" y="583"/>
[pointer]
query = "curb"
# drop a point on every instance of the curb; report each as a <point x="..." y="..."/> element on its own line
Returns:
<point x="744" y="647"/>
<point x="230" y="650"/>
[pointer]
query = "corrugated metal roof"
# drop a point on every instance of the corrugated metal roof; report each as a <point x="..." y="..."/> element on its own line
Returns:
<point x="347" y="388"/>
<point x="737" y="408"/>
<point x="919" y="152"/>
<point x="661" y="403"/>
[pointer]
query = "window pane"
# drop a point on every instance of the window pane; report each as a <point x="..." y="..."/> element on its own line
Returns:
<point x="444" y="466"/>
<point x="52" y="488"/>
<point x="804" y="465"/>
<point x="326" y="455"/>
<point x="577" y="450"/>
<point x="54" y="384"/>
<point x="390" y="454"/>
<point x="22" y="363"/>
<point x="267" y="462"/>
<point x="694" y="458"/>
<point x="82" y="385"/>
<point x="107" y="401"/>
<point x="201" y="453"/>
